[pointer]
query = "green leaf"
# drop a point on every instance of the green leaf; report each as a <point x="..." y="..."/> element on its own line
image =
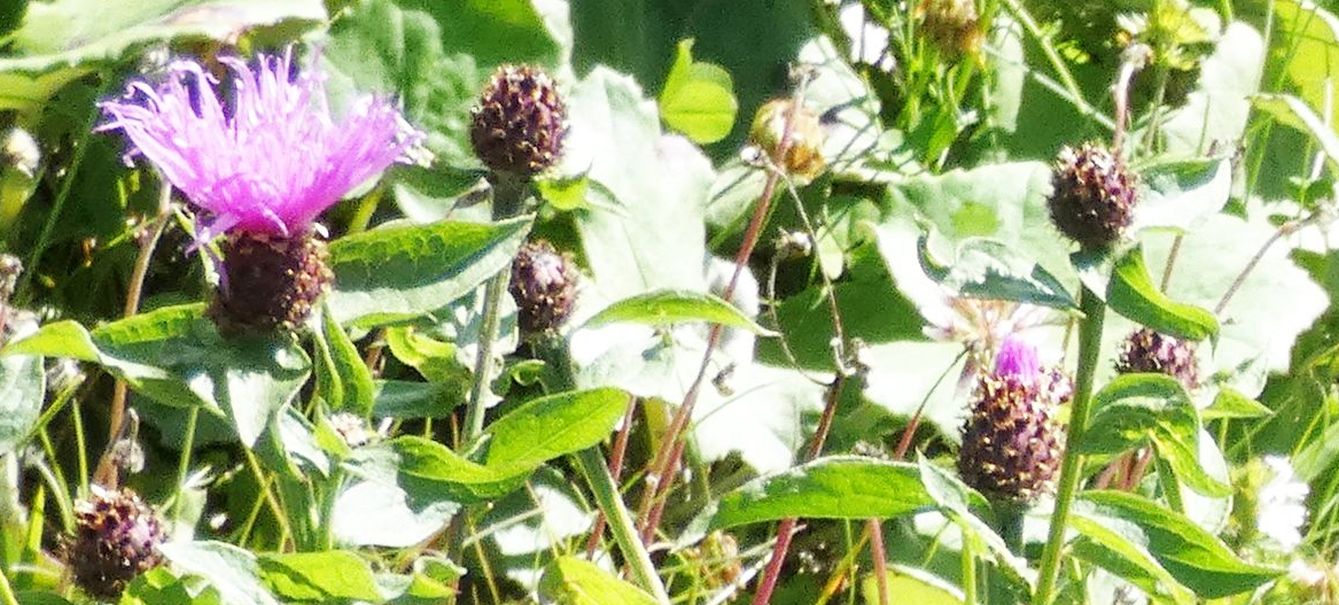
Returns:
<point x="910" y="585"/>
<point x="1137" y="409"/>
<point x="834" y="487"/>
<point x="413" y="399"/>
<point x="320" y="576"/>
<point x="232" y="571"/>
<point x="1309" y="35"/>
<point x="436" y="360"/>
<point x="429" y="470"/>
<point x="553" y="426"/>
<point x="1232" y="404"/>
<point x="1193" y="556"/>
<point x="956" y="500"/>
<point x="698" y="98"/>
<point x="63" y="40"/>
<point x="356" y="390"/>
<point x="1292" y="112"/>
<point x="1132" y="294"/>
<point x="402" y="271"/>
<point x="22" y="389"/>
<point x="669" y="307"/>
<point x="177" y="357"/>
<point x="993" y="270"/>
<point x="572" y="581"/>
<point x="1175" y="195"/>
<point x="647" y="190"/>
<point x="1127" y="558"/>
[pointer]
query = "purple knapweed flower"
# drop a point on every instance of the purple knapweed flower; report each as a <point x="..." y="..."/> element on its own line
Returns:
<point x="273" y="158"/>
<point x="1011" y="443"/>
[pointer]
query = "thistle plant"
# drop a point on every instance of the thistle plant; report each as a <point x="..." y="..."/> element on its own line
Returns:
<point x="259" y="166"/>
<point x="1011" y="441"/>
<point x="116" y="539"/>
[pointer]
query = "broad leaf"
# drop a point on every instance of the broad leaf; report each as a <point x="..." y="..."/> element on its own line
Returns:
<point x="574" y="581"/>
<point x="333" y="575"/>
<point x="1175" y="195"/>
<point x="1138" y="409"/>
<point x="991" y="270"/>
<point x="698" y="98"/>
<point x="836" y="487"/>
<point x="1132" y="294"/>
<point x="232" y="571"/>
<point x="403" y="271"/>
<point x="668" y="307"/>
<point x="1292" y="112"/>
<point x="22" y="389"/>
<point x="176" y="356"/>
<point x="1191" y="555"/>
<point x="553" y="426"/>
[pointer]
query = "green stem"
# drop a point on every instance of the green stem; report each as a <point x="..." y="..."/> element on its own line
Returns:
<point x="1010" y="517"/>
<point x="620" y="522"/>
<point x="1057" y="62"/>
<point x="968" y="569"/>
<point x="327" y="530"/>
<point x="508" y="196"/>
<point x="6" y="592"/>
<point x="1090" y="348"/>
<point x="184" y="464"/>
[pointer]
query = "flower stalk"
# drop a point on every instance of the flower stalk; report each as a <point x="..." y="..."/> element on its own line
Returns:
<point x="1071" y="466"/>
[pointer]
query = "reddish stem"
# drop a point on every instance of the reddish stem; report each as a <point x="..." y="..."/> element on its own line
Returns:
<point x="667" y="458"/>
<point x="615" y="470"/>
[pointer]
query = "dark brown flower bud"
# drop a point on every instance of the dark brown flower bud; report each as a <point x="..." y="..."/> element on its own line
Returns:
<point x="520" y="122"/>
<point x="1145" y="350"/>
<point x="1094" y="196"/>
<point x="270" y="282"/>
<point x="116" y="539"/>
<point x="1011" y="444"/>
<point x="543" y="284"/>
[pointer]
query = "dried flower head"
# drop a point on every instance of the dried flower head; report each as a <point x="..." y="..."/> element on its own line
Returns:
<point x="804" y="157"/>
<point x="1146" y="350"/>
<point x="116" y="539"/>
<point x="543" y="284"/>
<point x="269" y="158"/>
<point x="1011" y="443"/>
<point x="520" y="122"/>
<point x="1094" y="195"/>
<point x="952" y="26"/>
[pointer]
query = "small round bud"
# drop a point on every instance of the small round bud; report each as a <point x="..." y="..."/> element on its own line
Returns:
<point x="270" y="282"/>
<point x="116" y="539"/>
<point x="519" y="124"/>
<point x="1094" y="196"/>
<point x="1011" y="444"/>
<point x="952" y="26"/>
<point x="544" y="285"/>
<point x="804" y="157"/>
<point x="1146" y="350"/>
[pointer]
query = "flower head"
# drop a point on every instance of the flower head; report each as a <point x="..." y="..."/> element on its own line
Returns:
<point x="1146" y="350"/>
<point x="1094" y="195"/>
<point x="544" y="286"/>
<point x="116" y="539"/>
<point x="1011" y="443"/>
<point x="268" y="158"/>
<point x="520" y="122"/>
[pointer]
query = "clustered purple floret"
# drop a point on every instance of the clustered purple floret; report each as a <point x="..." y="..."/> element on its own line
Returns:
<point x="272" y="159"/>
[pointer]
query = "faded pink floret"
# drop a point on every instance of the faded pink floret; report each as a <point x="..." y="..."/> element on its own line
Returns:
<point x="273" y="159"/>
<point x="1018" y="358"/>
